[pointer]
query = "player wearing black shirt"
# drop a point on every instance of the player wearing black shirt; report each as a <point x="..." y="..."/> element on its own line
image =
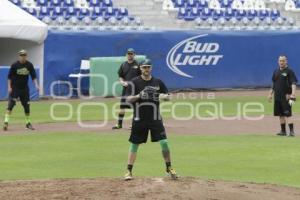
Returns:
<point x="144" y="93"/>
<point x="284" y="88"/>
<point x="18" y="87"/>
<point x="127" y="71"/>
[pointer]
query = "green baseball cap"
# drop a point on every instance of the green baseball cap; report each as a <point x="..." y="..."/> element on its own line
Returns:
<point x="146" y="62"/>
<point x="22" y="52"/>
<point x="130" y="50"/>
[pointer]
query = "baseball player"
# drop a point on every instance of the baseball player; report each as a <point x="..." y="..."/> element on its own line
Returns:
<point x="284" y="88"/>
<point x="127" y="71"/>
<point x="18" y="87"/>
<point x="144" y="93"/>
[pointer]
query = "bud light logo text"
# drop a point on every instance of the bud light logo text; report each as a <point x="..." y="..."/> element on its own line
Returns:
<point x="193" y="52"/>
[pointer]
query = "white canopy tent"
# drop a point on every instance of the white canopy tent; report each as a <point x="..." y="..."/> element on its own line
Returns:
<point x="18" y="24"/>
<point x="20" y="30"/>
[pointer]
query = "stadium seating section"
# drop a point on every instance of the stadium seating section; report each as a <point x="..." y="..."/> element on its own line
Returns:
<point x="206" y="14"/>
<point x="247" y="14"/>
<point x="80" y="14"/>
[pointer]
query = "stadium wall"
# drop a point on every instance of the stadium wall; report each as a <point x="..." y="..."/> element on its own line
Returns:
<point x="9" y="54"/>
<point x="34" y="95"/>
<point x="183" y="59"/>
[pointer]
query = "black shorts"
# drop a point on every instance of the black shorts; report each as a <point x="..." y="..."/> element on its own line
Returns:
<point x="123" y="103"/>
<point x="282" y="108"/>
<point x="22" y="94"/>
<point x="140" y="131"/>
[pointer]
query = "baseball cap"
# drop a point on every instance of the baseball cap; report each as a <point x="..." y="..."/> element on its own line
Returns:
<point x="146" y="62"/>
<point x="130" y="50"/>
<point x="22" y="52"/>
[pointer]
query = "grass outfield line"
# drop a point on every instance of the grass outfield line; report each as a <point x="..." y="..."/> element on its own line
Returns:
<point x="41" y="109"/>
<point x="249" y="158"/>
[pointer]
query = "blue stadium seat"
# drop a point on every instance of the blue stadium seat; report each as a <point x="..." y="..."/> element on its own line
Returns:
<point x="203" y="3"/>
<point x="251" y="14"/>
<point x="191" y="3"/>
<point x="110" y="12"/>
<point x="206" y="14"/>
<point x="68" y="3"/>
<point x="225" y="4"/>
<point x="229" y="14"/>
<point x="182" y="13"/>
<point x="70" y="12"/>
<point x="95" y="3"/>
<point x="41" y="3"/>
<point x="97" y="12"/>
<point x="217" y="14"/>
<point x="57" y="12"/>
<point x="240" y="14"/>
<point x="83" y="12"/>
<point x="179" y="3"/>
<point x="107" y="3"/>
<point x="45" y="11"/>
<point x="189" y="15"/>
<point x="274" y="14"/>
<point x="263" y="14"/>
<point x="55" y="3"/>
<point x="195" y="12"/>
<point x="121" y="12"/>
<point x="32" y="11"/>
<point x="16" y="2"/>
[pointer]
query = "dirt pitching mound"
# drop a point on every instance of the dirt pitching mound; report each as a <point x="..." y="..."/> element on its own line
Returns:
<point x="144" y="188"/>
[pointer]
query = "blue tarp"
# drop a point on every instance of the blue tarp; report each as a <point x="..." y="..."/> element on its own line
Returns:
<point x="3" y="87"/>
<point x="182" y="59"/>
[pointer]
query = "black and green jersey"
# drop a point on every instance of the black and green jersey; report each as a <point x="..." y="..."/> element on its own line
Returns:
<point x="19" y="73"/>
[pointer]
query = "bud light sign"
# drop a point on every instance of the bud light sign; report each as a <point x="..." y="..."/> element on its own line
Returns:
<point x="193" y="52"/>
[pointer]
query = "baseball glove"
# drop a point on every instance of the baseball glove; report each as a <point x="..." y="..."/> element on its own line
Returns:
<point x="292" y="100"/>
<point x="149" y="93"/>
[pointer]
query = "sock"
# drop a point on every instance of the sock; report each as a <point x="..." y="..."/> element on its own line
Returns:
<point x="283" y="128"/>
<point x="6" y="119"/>
<point x="27" y="120"/>
<point x="168" y="166"/>
<point x="129" y="167"/>
<point x="120" y="121"/>
<point x="291" y="126"/>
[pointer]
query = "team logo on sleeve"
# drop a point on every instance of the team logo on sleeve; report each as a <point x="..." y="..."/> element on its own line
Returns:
<point x="193" y="52"/>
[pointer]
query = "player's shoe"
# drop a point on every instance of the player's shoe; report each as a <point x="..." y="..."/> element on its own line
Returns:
<point x="281" y="133"/>
<point x="117" y="126"/>
<point x="292" y="134"/>
<point x="128" y="176"/>
<point x="5" y="126"/>
<point x="172" y="173"/>
<point x="29" y="126"/>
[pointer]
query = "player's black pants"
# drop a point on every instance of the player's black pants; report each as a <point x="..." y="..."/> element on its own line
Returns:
<point x="282" y="108"/>
<point x="123" y="103"/>
<point x="141" y="129"/>
<point x="23" y="95"/>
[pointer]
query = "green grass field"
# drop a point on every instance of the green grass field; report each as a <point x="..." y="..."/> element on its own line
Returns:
<point x="250" y="158"/>
<point x="41" y="109"/>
